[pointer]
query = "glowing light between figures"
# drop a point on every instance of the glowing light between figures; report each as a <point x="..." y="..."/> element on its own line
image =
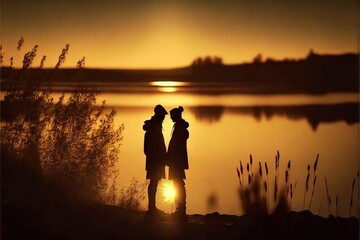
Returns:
<point x="168" y="192"/>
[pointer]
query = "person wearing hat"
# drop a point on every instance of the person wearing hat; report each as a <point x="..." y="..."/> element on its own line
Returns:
<point x="155" y="152"/>
<point x="177" y="158"/>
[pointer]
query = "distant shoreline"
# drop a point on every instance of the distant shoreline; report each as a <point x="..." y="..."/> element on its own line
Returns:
<point x="317" y="74"/>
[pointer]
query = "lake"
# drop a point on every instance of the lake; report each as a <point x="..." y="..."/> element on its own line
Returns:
<point x="226" y="128"/>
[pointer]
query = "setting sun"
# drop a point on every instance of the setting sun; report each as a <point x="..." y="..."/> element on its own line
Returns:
<point x="168" y="192"/>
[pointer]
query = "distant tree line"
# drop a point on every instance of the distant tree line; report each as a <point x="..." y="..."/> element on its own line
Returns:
<point x="207" y="61"/>
<point x="218" y="61"/>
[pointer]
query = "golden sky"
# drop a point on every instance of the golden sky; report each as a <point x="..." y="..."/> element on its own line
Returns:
<point x="171" y="33"/>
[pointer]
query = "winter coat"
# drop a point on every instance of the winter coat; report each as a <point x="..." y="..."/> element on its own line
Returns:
<point x="177" y="156"/>
<point x="154" y="147"/>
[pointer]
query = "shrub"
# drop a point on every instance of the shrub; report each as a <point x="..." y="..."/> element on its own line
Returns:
<point x="132" y="196"/>
<point x="73" y="143"/>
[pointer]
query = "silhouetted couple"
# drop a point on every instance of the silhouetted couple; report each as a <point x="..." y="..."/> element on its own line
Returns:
<point x="157" y="157"/>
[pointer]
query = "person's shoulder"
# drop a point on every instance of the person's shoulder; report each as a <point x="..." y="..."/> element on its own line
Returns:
<point x="183" y="123"/>
<point x="147" y="124"/>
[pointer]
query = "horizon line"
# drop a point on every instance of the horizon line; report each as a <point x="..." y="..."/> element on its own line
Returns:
<point x="265" y="60"/>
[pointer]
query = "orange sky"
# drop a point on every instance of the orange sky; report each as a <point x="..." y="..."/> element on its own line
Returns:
<point x="166" y="34"/>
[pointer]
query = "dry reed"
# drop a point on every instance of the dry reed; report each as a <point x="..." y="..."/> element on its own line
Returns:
<point x="257" y="190"/>
<point x="306" y="185"/>
<point x="238" y="173"/>
<point x="351" y="197"/>
<point x="1" y="55"/>
<point x="277" y="160"/>
<point x="314" y="181"/>
<point x="337" y="205"/>
<point x="286" y="195"/>
<point x="287" y="178"/>
<point x="352" y="193"/>
<point x="328" y="198"/>
<point x="42" y="62"/>
<point x="20" y="43"/>
<point x="266" y="185"/>
<point x="242" y="171"/>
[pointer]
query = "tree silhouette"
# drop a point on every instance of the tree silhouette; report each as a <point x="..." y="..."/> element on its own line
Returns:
<point x="207" y="61"/>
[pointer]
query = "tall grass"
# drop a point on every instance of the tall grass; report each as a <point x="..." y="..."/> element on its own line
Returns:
<point x="73" y="143"/>
<point x="352" y="196"/>
<point x="314" y="181"/>
<point x="255" y="198"/>
<point x="328" y="198"/>
<point x="255" y="194"/>
<point x="256" y="191"/>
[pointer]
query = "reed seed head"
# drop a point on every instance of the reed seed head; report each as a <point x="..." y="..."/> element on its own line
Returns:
<point x="266" y="169"/>
<point x="20" y="43"/>
<point x="316" y="162"/>
<point x="265" y="186"/>
<point x="336" y="200"/>
<point x="62" y="56"/>
<point x="307" y="181"/>
<point x="29" y="57"/>
<point x="81" y="63"/>
<point x="42" y="61"/>
<point x="314" y="182"/>
<point x="1" y="55"/>
<point x="353" y="183"/>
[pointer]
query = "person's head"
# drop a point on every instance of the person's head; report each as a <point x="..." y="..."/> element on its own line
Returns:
<point x="160" y="112"/>
<point x="175" y="113"/>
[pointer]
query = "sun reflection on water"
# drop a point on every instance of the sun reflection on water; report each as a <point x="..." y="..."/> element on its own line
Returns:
<point x="168" y="86"/>
<point x="167" y="89"/>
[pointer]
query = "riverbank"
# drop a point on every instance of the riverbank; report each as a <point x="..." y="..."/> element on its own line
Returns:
<point x="110" y="222"/>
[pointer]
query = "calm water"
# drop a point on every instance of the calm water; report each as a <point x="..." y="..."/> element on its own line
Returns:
<point x="225" y="129"/>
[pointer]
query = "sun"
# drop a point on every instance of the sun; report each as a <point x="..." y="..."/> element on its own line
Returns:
<point x="168" y="192"/>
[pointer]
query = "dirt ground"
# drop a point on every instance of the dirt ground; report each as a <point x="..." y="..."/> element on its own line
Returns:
<point x="109" y="222"/>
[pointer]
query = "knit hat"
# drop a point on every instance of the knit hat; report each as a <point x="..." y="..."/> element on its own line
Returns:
<point x="160" y="110"/>
<point x="177" y="111"/>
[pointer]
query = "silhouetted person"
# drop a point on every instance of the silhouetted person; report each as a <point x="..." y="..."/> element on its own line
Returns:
<point x="155" y="151"/>
<point x="177" y="158"/>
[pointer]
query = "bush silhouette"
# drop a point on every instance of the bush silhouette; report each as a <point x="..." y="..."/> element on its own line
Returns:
<point x="72" y="144"/>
